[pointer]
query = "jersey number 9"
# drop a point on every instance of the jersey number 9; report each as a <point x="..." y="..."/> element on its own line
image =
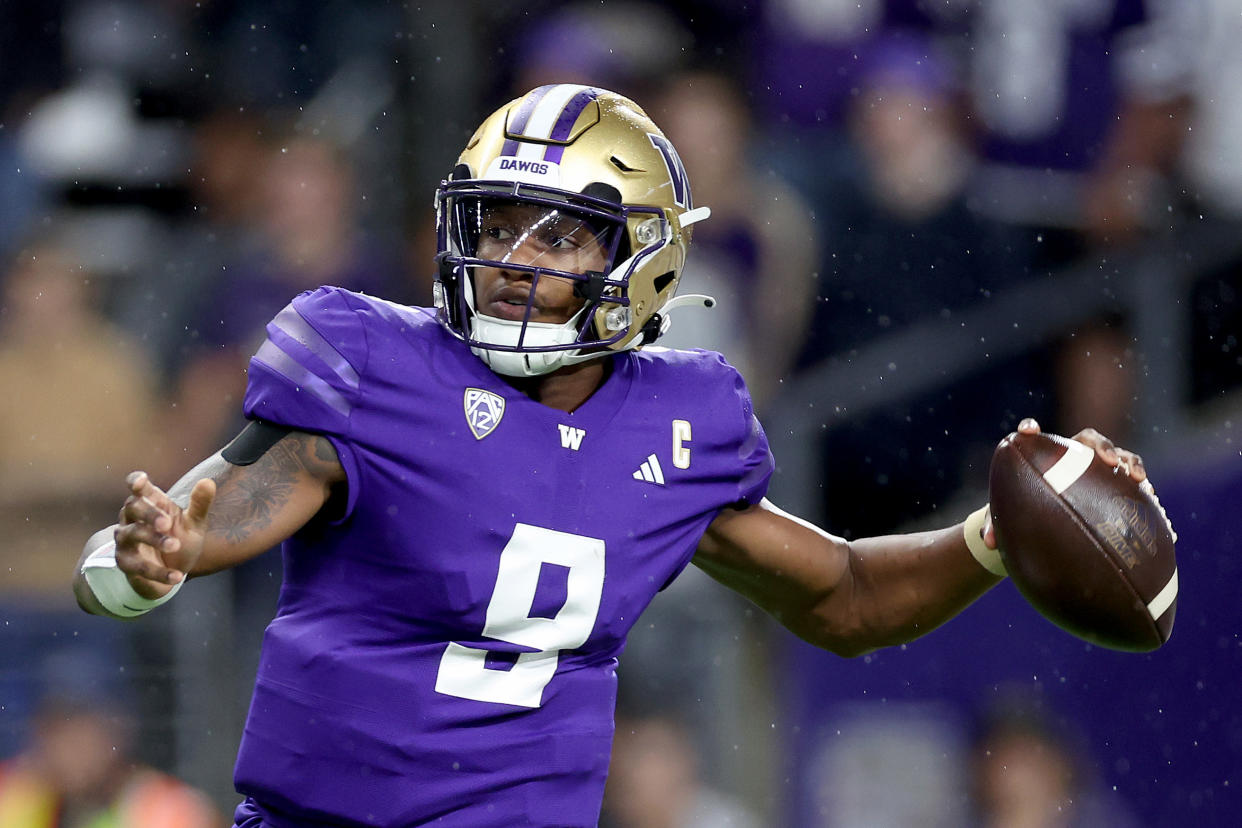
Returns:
<point x="463" y="669"/>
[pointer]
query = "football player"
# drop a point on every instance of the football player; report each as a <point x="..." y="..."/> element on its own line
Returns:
<point x="477" y="501"/>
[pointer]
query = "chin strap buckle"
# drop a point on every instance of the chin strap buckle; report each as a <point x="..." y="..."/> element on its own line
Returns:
<point x="592" y="290"/>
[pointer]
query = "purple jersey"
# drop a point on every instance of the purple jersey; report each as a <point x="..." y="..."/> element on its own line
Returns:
<point x="445" y="653"/>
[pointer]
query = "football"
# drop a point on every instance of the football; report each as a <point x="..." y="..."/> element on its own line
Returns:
<point x="1087" y="546"/>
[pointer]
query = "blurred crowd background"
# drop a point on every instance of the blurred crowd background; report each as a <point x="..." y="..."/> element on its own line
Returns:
<point x="930" y="219"/>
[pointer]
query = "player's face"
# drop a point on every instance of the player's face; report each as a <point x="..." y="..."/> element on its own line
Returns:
<point x="536" y="236"/>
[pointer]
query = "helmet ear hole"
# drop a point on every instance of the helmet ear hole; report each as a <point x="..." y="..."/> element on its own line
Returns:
<point x="607" y="192"/>
<point x="663" y="280"/>
<point x="600" y="190"/>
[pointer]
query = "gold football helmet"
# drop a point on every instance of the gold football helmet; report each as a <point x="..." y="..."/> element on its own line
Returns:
<point x="567" y="182"/>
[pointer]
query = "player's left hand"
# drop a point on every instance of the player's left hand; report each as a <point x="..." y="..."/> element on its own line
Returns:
<point x="157" y="541"/>
<point x="1122" y="459"/>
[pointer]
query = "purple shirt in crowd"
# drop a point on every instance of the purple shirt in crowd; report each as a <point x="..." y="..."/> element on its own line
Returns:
<point x="445" y="653"/>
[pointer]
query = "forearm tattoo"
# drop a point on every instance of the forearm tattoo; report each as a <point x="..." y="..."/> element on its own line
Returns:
<point x="324" y="459"/>
<point x="250" y="497"/>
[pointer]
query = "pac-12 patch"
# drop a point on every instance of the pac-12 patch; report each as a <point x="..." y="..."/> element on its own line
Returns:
<point x="483" y="411"/>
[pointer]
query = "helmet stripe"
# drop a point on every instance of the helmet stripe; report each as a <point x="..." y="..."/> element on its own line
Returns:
<point x="520" y="116"/>
<point x="546" y="113"/>
<point x="564" y="125"/>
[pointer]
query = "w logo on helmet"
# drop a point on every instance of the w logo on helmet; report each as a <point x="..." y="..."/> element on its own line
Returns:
<point x="676" y="172"/>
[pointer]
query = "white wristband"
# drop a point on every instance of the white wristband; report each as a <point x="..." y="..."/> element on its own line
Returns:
<point x="988" y="558"/>
<point x="112" y="588"/>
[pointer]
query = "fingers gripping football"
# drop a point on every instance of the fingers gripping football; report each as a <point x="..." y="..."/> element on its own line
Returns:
<point x="1123" y="461"/>
<point x="1128" y="463"/>
<point x="157" y="541"/>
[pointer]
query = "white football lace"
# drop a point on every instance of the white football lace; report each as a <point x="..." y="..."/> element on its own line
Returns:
<point x="1148" y="489"/>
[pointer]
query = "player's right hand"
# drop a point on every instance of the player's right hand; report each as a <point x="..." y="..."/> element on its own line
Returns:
<point x="158" y="542"/>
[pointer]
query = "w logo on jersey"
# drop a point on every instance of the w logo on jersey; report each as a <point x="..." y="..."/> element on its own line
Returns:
<point x="483" y="411"/>
<point x="571" y="438"/>
<point x="676" y="172"/>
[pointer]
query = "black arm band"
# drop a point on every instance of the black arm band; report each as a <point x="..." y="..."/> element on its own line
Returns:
<point x="253" y="442"/>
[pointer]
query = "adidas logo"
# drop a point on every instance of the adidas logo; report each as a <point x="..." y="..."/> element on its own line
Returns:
<point x="650" y="471"/>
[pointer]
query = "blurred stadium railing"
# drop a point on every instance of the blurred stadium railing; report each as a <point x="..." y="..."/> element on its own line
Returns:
<point x="1149" y="284"/>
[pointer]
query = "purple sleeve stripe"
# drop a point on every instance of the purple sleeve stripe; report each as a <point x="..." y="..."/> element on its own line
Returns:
<point x="292" y="323"/>
<point x="276" y="360"/>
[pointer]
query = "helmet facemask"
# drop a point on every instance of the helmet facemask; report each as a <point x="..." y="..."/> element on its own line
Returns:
<point x="500" y="241"/>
